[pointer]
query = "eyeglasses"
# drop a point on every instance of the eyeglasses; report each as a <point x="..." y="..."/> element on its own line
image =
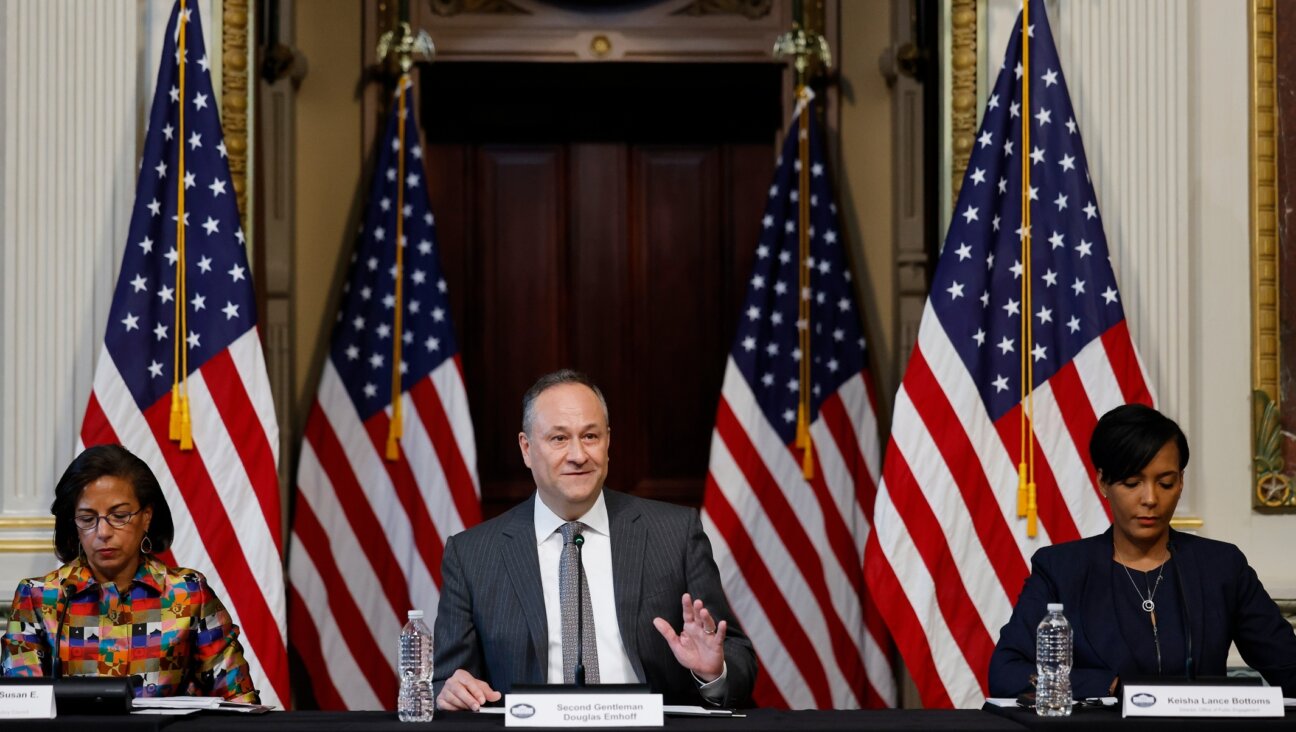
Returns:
<point x="90" y="521"/>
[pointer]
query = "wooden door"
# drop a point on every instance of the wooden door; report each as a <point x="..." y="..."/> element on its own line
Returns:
<point x="614" y="237"/>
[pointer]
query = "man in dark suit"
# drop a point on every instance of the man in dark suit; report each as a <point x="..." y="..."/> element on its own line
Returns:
<point x="515" y="608"/>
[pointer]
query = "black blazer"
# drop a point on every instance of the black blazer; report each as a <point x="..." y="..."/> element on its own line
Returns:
<point x="1225" y="603"/>
<point x="491" y="618"/>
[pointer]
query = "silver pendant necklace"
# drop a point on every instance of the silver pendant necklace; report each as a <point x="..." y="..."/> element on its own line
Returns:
<point x="1149" y="607"/>
<point x="1148" y="604"/>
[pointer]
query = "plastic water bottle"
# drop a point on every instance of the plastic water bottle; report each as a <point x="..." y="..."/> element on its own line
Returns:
<point x="1053" y="643"/>
<point x="415" y="703"/>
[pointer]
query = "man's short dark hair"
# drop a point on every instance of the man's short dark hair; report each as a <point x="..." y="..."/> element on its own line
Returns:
<point x="98" y="462"/>
<point x="550" y="380"/>
<point x="1128" y="437"/>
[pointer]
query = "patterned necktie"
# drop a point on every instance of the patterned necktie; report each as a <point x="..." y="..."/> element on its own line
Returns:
<point x="569" y="572"/>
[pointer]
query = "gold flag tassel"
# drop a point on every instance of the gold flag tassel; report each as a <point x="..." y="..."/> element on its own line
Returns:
<point x="181" y="427"/>
<point x="1032" y="512"/>
<point x="1021" y="490"/>
<point x="395" y="427"/>
<point x="1026" y="469"/>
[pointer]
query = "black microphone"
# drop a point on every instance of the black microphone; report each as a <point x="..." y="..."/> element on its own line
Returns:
<point x="56" y="662"/>
<point x="1183" y="616"/>
<point x="579" y="541"/>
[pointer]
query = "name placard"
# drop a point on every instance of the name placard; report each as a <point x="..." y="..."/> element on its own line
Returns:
<point x="583" y="710"/>
<point x="1147" y="700"/>
<point x="28" y="701"/>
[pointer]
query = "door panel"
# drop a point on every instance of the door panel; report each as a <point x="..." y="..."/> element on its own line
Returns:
<point x="625" y="258"/>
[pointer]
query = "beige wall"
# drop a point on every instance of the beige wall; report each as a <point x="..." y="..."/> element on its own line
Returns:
<point x="327" y="176"/>
<point x="864" y="180"/>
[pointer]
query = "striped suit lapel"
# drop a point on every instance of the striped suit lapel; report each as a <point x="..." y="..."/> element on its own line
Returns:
<point x="629" y="541"/>
<point x="522" y="561"/>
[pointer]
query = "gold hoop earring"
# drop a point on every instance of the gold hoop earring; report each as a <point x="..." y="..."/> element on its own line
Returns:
<point x="146" y="545"/>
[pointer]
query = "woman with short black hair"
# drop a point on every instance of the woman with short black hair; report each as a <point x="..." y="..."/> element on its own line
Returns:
<point x="1142" y="598"/>
<point x="114" y="608"/>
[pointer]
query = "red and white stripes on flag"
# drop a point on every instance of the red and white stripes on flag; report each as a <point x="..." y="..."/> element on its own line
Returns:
<point x="950" y="551"/>
<point x="790" y="548"/>
<point x="368" y="531"/>
<point x="224" y="493"/>
<point x="948" y="555"/>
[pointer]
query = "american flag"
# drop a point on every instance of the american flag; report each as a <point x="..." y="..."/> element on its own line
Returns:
<point x="368" y="532"/>
<point x="224" y="493"/>
<point x="949" y="553"/>
<point x="791" y="549"/>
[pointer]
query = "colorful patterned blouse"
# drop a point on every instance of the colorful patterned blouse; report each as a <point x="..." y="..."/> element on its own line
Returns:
<point x="169" y="629"/>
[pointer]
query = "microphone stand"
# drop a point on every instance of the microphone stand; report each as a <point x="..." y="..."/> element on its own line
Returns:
<point x="579" y="541"/>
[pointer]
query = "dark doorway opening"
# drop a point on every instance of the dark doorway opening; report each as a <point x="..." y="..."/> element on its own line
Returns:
<point x="641" y="103"/>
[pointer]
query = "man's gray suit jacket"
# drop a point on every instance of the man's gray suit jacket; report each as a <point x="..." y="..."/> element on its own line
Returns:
<point x="491" y="618"/>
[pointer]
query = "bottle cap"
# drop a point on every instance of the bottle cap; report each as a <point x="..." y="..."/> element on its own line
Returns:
<point x="1053" y="607"/>
<point x="418" y="614"/>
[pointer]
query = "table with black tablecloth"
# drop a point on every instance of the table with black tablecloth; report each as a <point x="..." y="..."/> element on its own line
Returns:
<point x="756" y="720"/>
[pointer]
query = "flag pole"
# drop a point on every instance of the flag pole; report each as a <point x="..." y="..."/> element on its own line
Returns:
<point x="400" y="45"/>
<point x="181" y="427"/>
<point x="804" y="46"/>
<point x="1026" y="468"/>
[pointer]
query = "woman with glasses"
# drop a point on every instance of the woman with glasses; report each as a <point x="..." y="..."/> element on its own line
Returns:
<point x="114" y="608"/>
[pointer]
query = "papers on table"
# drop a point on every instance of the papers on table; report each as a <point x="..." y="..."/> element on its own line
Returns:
<point x="1105" y="701"/>
<point x="190" y="704"/>
<point x="683" y="710"/>
<point x="678" y="710"/>
<point x="176" y="702"/>
<point x="1002" y="702"/>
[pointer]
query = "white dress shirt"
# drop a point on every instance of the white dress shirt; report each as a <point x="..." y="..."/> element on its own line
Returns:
<point x="614" y="663"/>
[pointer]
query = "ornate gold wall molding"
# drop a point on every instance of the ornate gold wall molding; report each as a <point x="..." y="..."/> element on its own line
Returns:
<point x="27" y="523"/>
<point x="1264" y="197"/>
<point x="234" y="97"/>
<point x="26" y="546"/>
<point x="1272" y="490"/>
<point x="963" y="89"/>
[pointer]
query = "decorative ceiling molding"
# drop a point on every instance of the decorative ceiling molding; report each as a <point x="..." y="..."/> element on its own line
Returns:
<point x="542" y="30"/>
<point x="451" y="8"/>
<point x="750" y="9"/>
